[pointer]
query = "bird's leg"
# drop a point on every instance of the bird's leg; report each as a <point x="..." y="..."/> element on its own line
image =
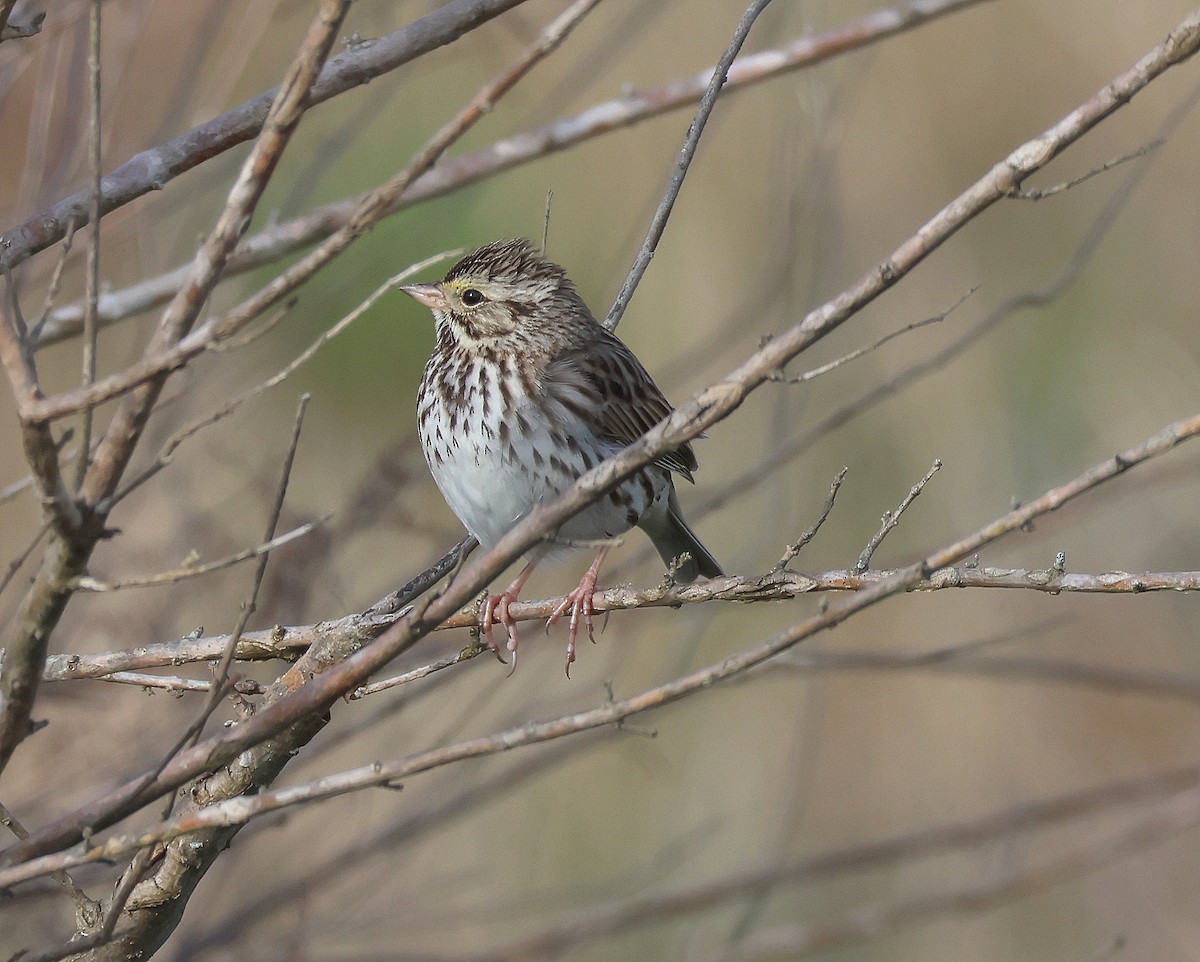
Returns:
<point x="495" y="608"/>
<point x="579" y="603"/>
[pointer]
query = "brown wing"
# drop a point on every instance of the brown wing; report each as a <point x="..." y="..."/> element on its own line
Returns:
<point x="610" y="389"/>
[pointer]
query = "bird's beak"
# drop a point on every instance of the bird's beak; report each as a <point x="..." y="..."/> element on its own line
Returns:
<point x="428" y="294"/>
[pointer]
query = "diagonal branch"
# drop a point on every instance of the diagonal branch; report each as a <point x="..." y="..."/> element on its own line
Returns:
<point x="236" y="811"/>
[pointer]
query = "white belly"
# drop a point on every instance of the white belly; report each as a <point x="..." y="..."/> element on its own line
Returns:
<point x="492" y="478"/>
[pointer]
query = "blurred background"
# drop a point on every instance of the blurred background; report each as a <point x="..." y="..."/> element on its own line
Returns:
<point x="801" y="184"/>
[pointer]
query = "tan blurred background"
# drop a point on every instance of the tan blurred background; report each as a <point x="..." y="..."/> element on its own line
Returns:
<point x="801" y="185"/>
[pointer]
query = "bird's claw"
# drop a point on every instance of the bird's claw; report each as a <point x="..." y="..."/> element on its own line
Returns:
<point x="495" y="609"/>
<point x="579" y="603"/>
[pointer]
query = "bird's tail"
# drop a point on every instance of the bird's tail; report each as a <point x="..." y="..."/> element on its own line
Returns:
<point x="673" y="537"/>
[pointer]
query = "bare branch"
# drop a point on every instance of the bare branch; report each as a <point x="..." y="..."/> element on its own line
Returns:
<point x="1181" y="785"/>
<point x="289" y="106"/>
<point x="314" y="697"/>
<point x="173" y="683"/>
<point x="251" y="603"/>
<point x="778" y="585"/>
<point x="75" y="534"/>
<point x="1030" y="193"/>
<point x="854" y="355"/>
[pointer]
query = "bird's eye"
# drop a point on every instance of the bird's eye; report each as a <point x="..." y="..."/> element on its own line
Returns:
<point x="471" y="297"/>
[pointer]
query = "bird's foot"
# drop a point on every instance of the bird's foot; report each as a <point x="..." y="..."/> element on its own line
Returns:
<point x="495" y="609"/>
<point x="579" y="603"/>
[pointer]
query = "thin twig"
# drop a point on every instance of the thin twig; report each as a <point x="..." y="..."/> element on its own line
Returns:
<point x="36" y="329"/>
<point x="88" y="583"/>
<point x="795" y="548"/>
<point x="1031" y="193"/>
<point x="415" y="674"/>
<point x="260" y="570"/>
<point x="91" y="294"/>
<point x="172" y="443"/>
<point x="658" y="223"/>
<point x="15" y="565"/>
<point x="868" y="348"/>
<point x="395" y="605"/>
<point x="892" y="518"/>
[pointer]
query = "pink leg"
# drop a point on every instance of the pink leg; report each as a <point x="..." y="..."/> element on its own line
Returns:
<point x="579" y="603"/>
<point x="495" y="608"/>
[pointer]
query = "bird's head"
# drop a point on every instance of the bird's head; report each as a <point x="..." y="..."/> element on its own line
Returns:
<point x="492" y="291"/>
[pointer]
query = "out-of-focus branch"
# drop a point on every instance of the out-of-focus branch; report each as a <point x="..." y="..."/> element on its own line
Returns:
<point x="153" y="169"/>
<point x="292" y="101"/>
<point x="69" y="548"/>
<point x="1040" y="296"/>
<point x="92" y="273"/>
<point x="367" y="212"/>
<point x="451" y="174"/>
<point x="965" y="836"/>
